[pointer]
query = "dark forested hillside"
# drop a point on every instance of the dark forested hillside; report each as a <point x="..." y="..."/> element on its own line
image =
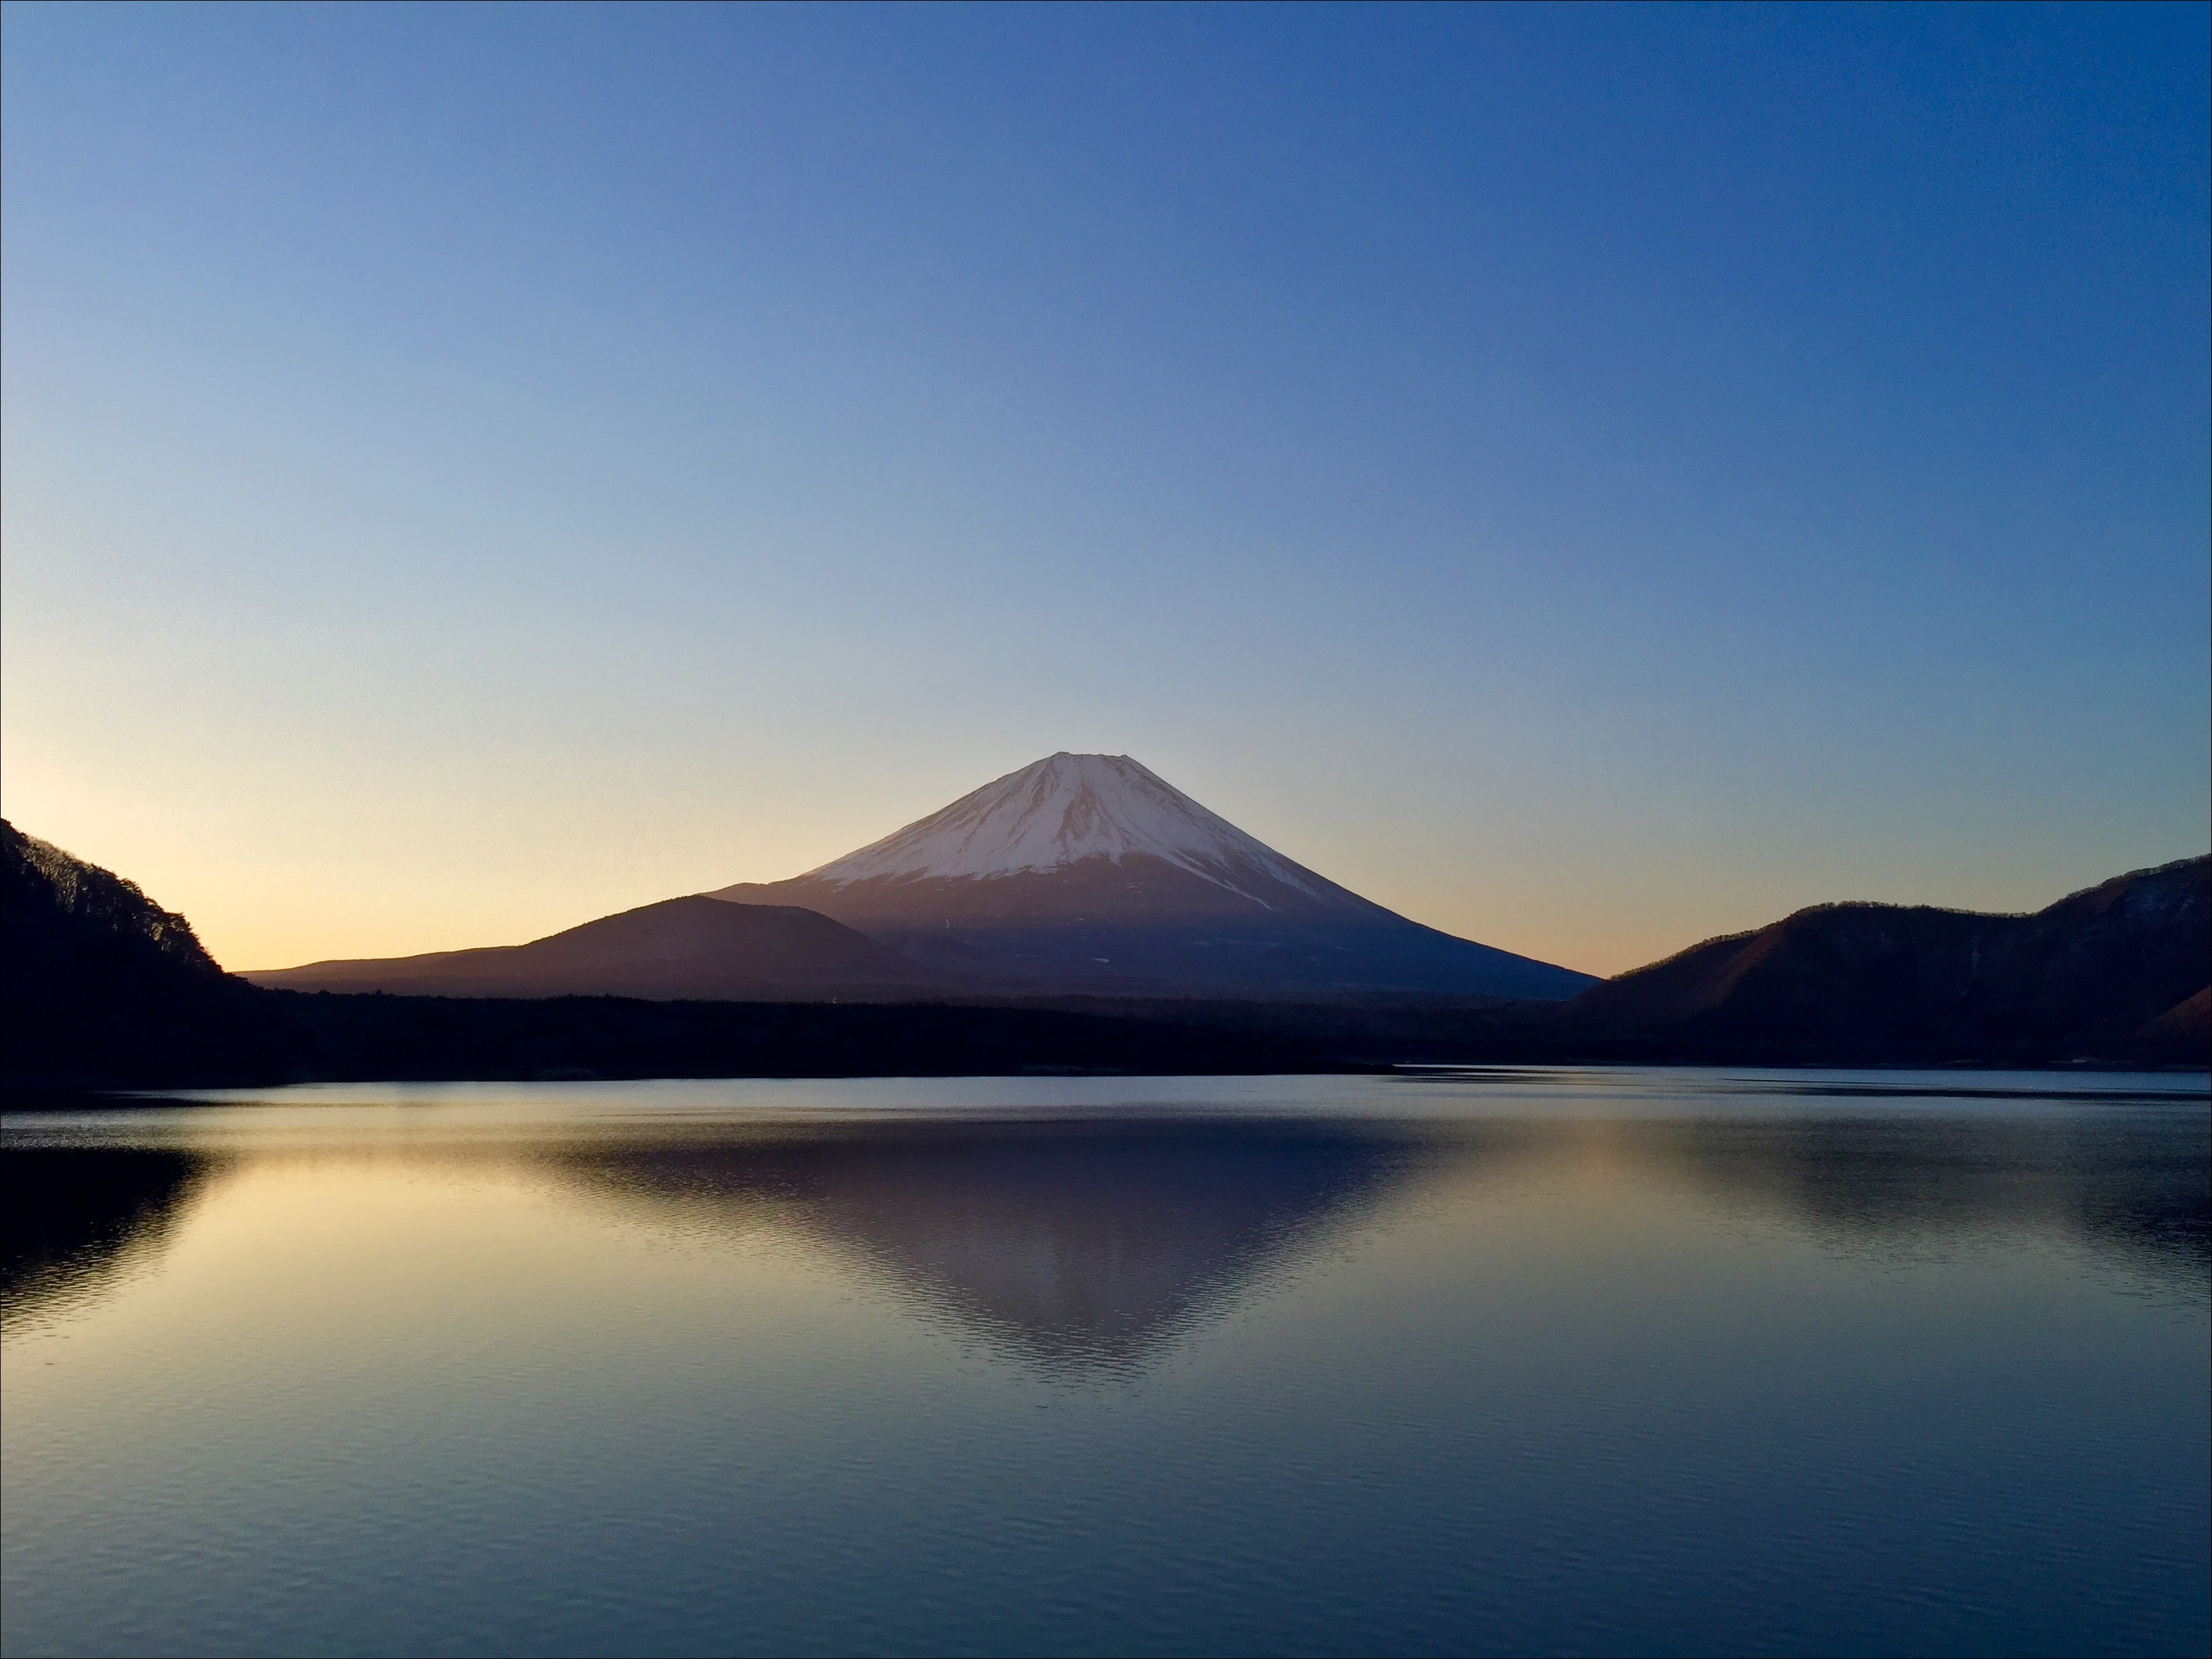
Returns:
<point x="98" y="982"/>
<point x="2112" y="972"/>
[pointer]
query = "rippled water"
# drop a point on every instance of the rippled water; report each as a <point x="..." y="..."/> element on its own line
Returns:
<point x="1481" y="1362"/>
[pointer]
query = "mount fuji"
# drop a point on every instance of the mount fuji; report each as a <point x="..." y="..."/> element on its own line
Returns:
<point x="1089" y="873"/>
<point x="1080" y="875"/>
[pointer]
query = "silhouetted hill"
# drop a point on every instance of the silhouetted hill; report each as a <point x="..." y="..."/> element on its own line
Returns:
<point x="97" y="981"/>
<point x="79" y="913"/>
<point x="2118" y="971"/>
<point x="692" y="948"/>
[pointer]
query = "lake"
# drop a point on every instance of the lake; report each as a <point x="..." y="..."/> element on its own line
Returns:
<point x="1456" y="1361"/>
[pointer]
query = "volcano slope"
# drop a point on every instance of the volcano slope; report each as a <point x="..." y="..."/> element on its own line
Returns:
<point x="1089" y="874"/>
<point x="693" y="948"/>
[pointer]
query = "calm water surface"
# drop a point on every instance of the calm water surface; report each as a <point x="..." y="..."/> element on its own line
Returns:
<point x="1482" y="1362"/>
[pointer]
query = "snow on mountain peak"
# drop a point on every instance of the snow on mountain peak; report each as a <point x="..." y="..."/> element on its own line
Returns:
<point x="1064" y="809"/>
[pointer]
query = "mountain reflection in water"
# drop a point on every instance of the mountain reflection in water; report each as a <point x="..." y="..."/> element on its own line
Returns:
<point x="1085" y="1242"/>
<point x="1076" y="1244"/>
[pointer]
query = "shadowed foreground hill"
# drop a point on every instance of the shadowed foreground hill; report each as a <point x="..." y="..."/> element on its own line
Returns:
<point x="96" y="980"/>
<point x="2116" y="972"/>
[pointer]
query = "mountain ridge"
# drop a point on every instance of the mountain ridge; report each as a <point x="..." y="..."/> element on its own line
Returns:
<point x="2111" y="968"/>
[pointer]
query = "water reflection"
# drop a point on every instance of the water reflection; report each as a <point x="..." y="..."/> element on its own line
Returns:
<point x="1086" y="1244"/>
<point x="1087" y="1239"/>
<point x="1635" y="1363"/>
<point x="2131" y="1188"/>
<point x="80" y="1219"/>
<point x="1076" y="1245"/>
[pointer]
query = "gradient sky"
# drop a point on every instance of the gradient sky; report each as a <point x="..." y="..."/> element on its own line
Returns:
<point x="1589" y="479"/>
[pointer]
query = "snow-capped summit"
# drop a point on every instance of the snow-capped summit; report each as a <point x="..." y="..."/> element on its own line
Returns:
<point x="1061" y="810"/>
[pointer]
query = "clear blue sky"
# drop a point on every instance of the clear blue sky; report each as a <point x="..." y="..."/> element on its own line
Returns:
<point x="1588" y="478"/>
